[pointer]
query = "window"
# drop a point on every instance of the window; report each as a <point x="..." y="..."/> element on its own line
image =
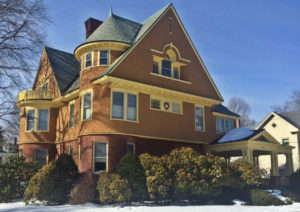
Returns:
<point x="118" y="105"/>
<point x="70" y="151"/>
<point x="30" y="120"/>
<point x="42" y="156"/>
<point x="131" y="107"/>
<point x="71" y="115"/>
<point x="223" y="125"/>
<point x="20" y="152"/>
<point x="199" y="122"/>
<point x="155" y="68"/>
<point x="88" y="59"/>
<point x="176" y="108"/>
<point x="43" y="120"/>
<point x="130" y="148"/>
<point x="122" y="102"/>
<point x="87" y="106"/>
<point x="103" y="57"/>
<point x="285" y="142"/>
<point x="100" y="154"/>
<point x="176" y="73"/>
<point x="155" y="104"/>
<point x="166" y="68"/>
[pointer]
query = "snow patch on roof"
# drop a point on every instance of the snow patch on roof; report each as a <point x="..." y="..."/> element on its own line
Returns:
<point x="236" y="134"/>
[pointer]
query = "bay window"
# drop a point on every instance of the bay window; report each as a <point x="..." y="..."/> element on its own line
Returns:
<point x="87" y="106"/>
<point x="43" y="120"/>
<point x="118" y="105"/>
<point x="223" y="125"/>
<point x="30" y="120"/>
<point x="131" y="107"/>
<point x="124" y="106"/>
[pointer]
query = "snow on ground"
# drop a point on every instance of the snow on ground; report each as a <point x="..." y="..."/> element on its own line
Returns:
<point x="277" y="193"/>
<point x="19" y="206"/>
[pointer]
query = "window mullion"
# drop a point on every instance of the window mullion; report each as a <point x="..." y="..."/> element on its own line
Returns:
<point x="125" y="106"/>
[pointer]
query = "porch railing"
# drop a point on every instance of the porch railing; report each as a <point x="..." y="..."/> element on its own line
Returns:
<point x="35" y="95"/>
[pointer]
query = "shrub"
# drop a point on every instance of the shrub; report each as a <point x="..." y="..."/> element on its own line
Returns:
<point x="263" y="198"/>
<point x="53" y="183"/>
<point x="130" y="168"/>
<point x="15" y="174"/>
<point x="113" y="189"/>
<point x="250" y="174"/>
<point x="294" y="182"/>
<point x="158" y="178"/>
<point x="84" y="190"/>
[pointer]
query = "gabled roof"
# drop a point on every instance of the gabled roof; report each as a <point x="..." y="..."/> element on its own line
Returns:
<point x="145" y="26"/>
<point x="291" y="117"/>
<point x="64" y="66"/>
<point x="224" y="110"/>
<point x="115" y="28"/>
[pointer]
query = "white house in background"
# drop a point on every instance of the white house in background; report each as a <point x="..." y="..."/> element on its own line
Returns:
<point x="10" y="147"/>
<point x="284" y="127"/>
<point x="4" y="155"/>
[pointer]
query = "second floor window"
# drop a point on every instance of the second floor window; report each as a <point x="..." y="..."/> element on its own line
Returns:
<point x="223" y="125"/>
<point x="43" y="120"/>
<point x="30" y="120"/>
<point x="199" y="120"/>
<point x="87" y="106"/>
<point x="103" y="57"/>
<point x="88" y="60"/>
<point x="72" y="115"/>
<point x="122" y="101"/>
<point x="166" y="68"/>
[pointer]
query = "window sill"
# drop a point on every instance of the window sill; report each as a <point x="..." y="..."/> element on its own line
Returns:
<point x="178" y="80"/>
<point x="166" y="111"/>
<point x="34" y="131"/>
<point x="116" y="119"/>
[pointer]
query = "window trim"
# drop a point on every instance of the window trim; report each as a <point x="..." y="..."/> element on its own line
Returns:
<point x="36" y="119"/>
<point x="125" y="93"/>
<point x="92" y="59"/>
<point x="203" y="111"/>
<point x="93" y="155"/>
<point x="108" y="57"/>
<point x="81" y="104"/>
<point x="47" y="159"/>
<point x="69" y="109"/>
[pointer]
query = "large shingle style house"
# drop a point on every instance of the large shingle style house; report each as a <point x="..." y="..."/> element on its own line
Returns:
<point x="130" y="87"/>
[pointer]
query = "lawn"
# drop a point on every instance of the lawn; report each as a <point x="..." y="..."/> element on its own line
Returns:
<point x="19" y="206"/>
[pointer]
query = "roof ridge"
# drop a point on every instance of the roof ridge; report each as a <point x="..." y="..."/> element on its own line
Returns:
<point x="162" y="9"/>
<point x="50" y="48"/>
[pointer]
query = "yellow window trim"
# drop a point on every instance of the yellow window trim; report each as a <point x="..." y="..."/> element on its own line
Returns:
<point x="69" y="110"/>
<point x="174" y="64"/>
<point x="109" y="57"/>
<point x="36" y="118"/>
<point x="162" y="100"/>
<point x="171" y="78"/>
<point x="81" y="101"/>
<point x="203" y="111"/>
<point x="92" y="52"/>
<point x="107" y="153"/>
<point x="125" y="92"/>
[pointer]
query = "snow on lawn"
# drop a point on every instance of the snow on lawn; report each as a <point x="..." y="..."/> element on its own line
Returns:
<point x="20" y="206"/>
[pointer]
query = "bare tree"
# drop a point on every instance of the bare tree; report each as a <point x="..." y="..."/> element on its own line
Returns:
<point x="22" y="37"/>
<point x="242" y="108"/>
<point x="291" y="104"/>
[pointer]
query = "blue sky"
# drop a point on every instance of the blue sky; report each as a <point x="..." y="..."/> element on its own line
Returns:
<point x="251" y="48"/>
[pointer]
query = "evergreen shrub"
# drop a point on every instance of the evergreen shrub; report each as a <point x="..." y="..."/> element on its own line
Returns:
<point x="53" y="183"/>
<point x="113" y="189"/>
<point x="130" y="168"/>
<point x="294" y="182"/>
<point x="84" y="190"/>
<point x="263" y="198"/>
<point x="15" y="174"/>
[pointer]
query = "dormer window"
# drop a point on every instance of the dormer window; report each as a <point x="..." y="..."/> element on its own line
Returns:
<point x="103" y="57"/>
<point x="88" y="60"/>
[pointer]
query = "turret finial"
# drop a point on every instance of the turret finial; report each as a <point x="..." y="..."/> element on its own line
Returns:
<point x="111" y="11"/>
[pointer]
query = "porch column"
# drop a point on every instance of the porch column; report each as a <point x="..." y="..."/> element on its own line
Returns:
<point x="274" y="164"/>
<point x="244" y="154"/>
<point x="249" y="155"/>
<point x="289" y="163"/>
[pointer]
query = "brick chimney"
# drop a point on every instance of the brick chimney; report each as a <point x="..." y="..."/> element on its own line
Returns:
<point x="91" y="25"/>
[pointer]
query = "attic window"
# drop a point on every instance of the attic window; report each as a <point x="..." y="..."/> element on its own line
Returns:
<point x="274" y="125"/>
<point x="88" y="59"/>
